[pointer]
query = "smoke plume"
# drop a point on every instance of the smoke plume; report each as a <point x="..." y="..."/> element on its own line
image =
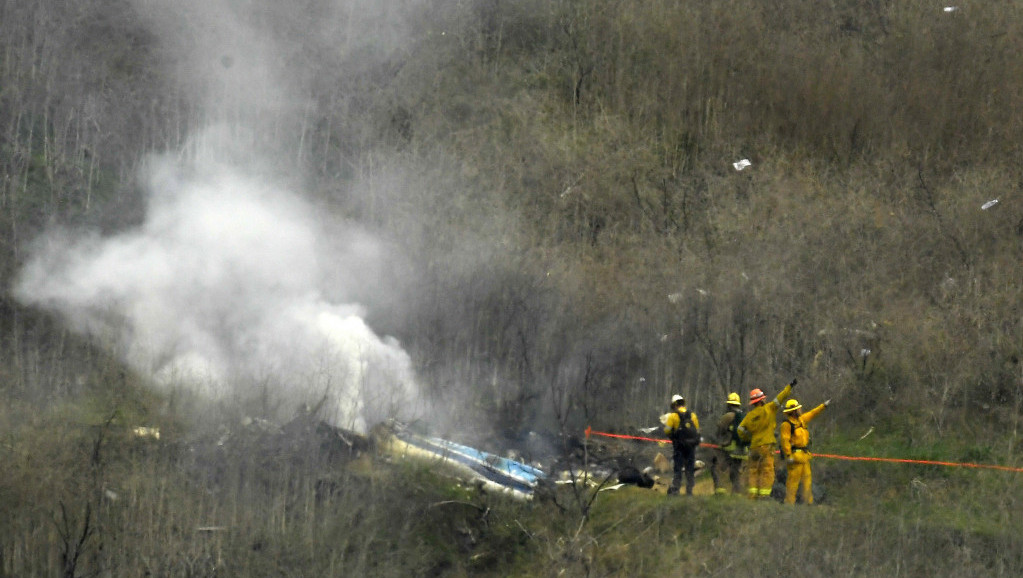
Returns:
<point x="232" y="285"/>
<point x="221" y="289"/>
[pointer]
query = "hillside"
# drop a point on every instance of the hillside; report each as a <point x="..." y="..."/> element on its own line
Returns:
<point x="495" y="218"/>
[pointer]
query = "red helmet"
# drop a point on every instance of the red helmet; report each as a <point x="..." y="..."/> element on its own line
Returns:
<point x="756" y="395"/>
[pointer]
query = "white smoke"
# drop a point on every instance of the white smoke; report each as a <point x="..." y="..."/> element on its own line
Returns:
<point x="232" y="285"/>
<point x="222" y="289"/>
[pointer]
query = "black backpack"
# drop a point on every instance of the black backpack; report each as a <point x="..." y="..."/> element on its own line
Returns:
<point x="733" y="428"/>
<point x="686" y="434"/>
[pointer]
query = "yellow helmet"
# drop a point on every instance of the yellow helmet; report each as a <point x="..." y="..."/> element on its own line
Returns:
<point x="792" y="405"/>
<point x="733" y="399"/>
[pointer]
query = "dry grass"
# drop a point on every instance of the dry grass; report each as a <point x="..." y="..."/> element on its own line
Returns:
<point x="554" y="171"/>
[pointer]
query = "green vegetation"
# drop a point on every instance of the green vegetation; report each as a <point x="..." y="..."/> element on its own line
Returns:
<point x="262" y="505"/>
<point x="557" y="177"/>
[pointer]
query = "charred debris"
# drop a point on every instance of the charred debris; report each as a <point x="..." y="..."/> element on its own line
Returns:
<point x="521" y="467"/>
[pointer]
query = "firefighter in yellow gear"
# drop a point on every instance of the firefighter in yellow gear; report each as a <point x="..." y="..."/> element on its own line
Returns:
<point x="731" y="454"/>
<point x="795" y="448"/>
<point x="757" y="429"/>
<point x="683" y="429"/>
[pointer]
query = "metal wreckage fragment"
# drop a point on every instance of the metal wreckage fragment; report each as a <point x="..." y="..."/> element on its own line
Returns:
<point x="493" y="472"/>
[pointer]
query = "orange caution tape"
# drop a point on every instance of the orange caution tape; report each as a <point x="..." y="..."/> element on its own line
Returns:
<point x="924" y="462"/>
<point x="590" y="431"/>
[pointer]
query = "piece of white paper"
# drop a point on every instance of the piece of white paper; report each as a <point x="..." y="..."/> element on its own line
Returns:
<point x="742" y="164"/>
<point x="989" y="204"/>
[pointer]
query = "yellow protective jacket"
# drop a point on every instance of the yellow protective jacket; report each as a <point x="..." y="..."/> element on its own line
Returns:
<point x="675" y="420"/>
<point x="795" y="436"/>
<point x="757" y="428"/>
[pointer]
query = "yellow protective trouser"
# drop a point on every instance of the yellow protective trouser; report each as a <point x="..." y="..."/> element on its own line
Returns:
<point x="761" y="471"/>
<point x="798" y="475"/>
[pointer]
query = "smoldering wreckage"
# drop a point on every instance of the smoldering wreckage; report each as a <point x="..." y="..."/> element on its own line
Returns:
<point x="533" y="467"/>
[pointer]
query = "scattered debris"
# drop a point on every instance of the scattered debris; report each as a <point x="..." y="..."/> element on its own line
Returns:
<point x="869" y="431"/>
<point x="585" y="477"/>
<point x="662" y="464"/>
<point x="579" y="463"/>
<point x="493" y="472"/>
<point x="948" y="284"/>
<point x="642" y="479"/>
<point x="989" y="204"/>
<point x="951" y="8"/>
<point x="146" y="432"/>
<point x="740" y="165"/>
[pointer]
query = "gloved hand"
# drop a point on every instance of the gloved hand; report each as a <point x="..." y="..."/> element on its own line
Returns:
<point x="827" y="403"/>
<point x="793" y="382"/>
<point x="790" y="460"/>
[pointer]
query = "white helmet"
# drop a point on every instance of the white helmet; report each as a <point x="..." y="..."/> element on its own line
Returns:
<point x="677" y="399"/>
